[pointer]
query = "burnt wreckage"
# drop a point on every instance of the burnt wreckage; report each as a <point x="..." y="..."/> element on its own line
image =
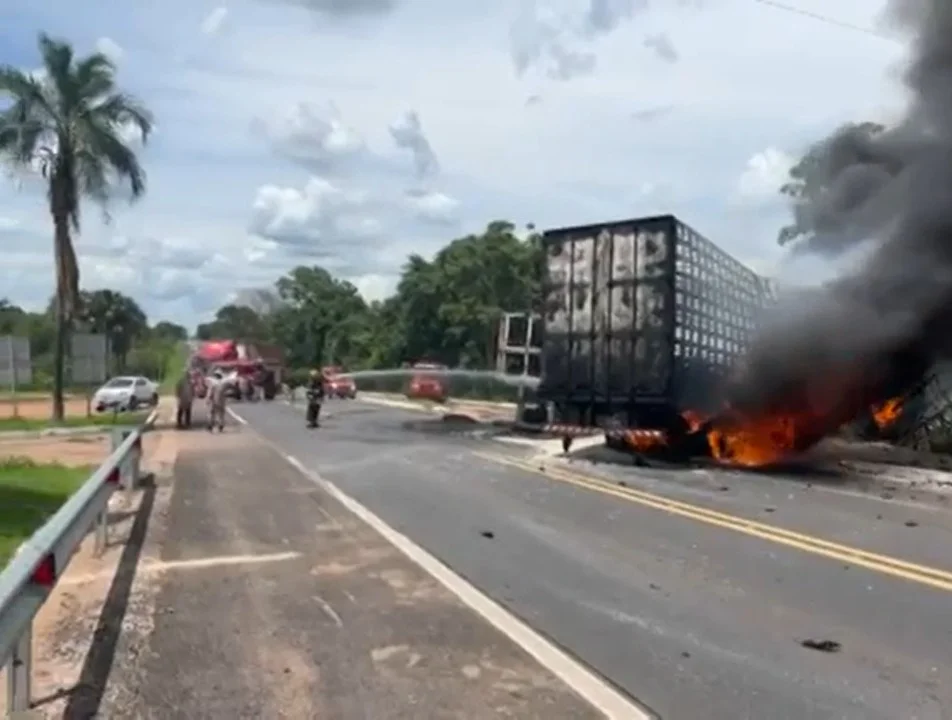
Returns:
<point x="645" y="322"/>
<point x="642" y="320"/>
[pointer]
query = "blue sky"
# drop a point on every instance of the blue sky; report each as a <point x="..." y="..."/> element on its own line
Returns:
<point x="290" y="132"/>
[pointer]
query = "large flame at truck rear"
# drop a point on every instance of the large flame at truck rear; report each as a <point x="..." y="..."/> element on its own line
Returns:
<point x="816" y="407"/>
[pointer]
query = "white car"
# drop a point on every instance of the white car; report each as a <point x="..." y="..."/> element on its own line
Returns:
<point x="126" y="392"/>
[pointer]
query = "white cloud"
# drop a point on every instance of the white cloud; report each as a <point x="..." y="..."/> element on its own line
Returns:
<point x="374" y="286"/>
<point x="632" y="135"/>
<point x="110" y="48"/>
<point x="765" y="173"/>
<point x="311" y="135"/>
<point x="8" y="224"/>
<point x="558" y="37"/>
<point x="212" y="24"/>
<point x="433" y="206"/>
<point x="660" y="44"/>
<point x="407" y="133"/>
<point x="319" y="221"/>
<point x="344" y="8"/>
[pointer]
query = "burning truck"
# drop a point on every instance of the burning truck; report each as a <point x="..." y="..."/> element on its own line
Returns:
<point x="647" y="332"/>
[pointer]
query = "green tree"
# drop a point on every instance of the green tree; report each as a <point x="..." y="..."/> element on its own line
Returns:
<point x="445" y="309"/>
<point x="165" y="330"/>
<point x="322" y="321"/>
<point x="809" y="182"/>
<point x="69" y="123"/>
<point x="116" y="316"/>
<point x="450" y="307"/>
<point x="11" y="317"/>
<point x="234" y="322"/>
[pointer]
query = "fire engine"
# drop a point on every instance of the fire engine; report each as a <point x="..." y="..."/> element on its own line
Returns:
<point x="425" y="384"/>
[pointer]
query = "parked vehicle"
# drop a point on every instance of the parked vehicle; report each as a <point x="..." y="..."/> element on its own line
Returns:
<point x="338" y="385"/>
<point x="126" y="392"/>
<point x="641" y="320"/>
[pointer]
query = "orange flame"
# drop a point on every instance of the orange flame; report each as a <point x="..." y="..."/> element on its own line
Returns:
<point x="887" y="413"/>
<point x="693" y="419"/>
<point x="644" y="440"/>
<point x="754" y="443"/>
<point x="789" y="428"/>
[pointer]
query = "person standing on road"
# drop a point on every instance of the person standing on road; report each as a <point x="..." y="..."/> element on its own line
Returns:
<point x="315" y="398"/>
<point x="216" y="399"/>
<point x="184" y="393"/>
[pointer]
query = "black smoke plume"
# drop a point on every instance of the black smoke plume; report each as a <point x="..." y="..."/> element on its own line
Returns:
<point x="878" y="328"/>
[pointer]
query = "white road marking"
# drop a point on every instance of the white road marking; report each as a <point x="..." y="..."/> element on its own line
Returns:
<point x="147" y="567"/>
<point x="237" y="417"/>
<point x="596" y="691"/>
<point x="221" y="560"/>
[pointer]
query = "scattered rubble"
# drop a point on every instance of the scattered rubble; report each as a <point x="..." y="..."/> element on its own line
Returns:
<point x="827" y="646"/>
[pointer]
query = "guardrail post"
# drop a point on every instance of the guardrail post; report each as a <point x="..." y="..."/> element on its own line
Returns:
<point x="131" y="464"/>
<point x="19" y="672"/>
<point x="135" y="465"/>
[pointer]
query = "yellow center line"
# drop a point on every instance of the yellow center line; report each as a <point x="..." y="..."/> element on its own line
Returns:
<point x="933" y="577"/>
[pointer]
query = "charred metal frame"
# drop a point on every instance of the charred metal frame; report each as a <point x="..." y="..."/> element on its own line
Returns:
<point x="926" y="421"/>
<point x="519" y="344"/>
<point x="642" y="312"/>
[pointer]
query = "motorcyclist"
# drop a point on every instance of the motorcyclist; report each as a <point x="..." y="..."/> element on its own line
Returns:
<point x="315" y="398"/>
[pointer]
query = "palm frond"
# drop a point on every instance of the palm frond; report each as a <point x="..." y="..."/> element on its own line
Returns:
<point x="92" y="177"/>
<point x="95" y="77"/>
<point x="120" y="109"/>
<point x="21" y="133"/>
<point x="100" y="140"/>
<point x="58" y="63"/>
<point x="23" y="87"/>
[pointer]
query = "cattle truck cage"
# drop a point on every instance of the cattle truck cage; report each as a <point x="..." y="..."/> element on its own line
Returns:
<point x="642" y="319"/>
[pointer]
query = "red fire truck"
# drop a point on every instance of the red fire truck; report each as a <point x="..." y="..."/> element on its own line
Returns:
<point x="427" y="382"/>
<point x="250" y="366"/>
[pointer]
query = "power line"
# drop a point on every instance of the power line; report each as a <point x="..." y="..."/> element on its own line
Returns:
<point x="825" y="19"/>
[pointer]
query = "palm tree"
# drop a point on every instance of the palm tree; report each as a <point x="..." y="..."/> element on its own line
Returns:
<point x="68" y="122"/>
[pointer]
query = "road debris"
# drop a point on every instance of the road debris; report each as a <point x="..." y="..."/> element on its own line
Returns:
<point x="827" y="646"/>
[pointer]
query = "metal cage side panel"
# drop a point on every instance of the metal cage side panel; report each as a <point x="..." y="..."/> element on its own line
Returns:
<point x="718" y="301"/>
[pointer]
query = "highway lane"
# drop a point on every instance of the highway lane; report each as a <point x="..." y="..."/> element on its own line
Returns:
<point x="692" y="618"/>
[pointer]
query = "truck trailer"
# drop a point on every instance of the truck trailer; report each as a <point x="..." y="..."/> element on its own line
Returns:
<point x="642" y="320"/>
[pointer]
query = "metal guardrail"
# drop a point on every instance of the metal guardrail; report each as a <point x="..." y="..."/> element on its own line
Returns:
<point x="41" y="561"/>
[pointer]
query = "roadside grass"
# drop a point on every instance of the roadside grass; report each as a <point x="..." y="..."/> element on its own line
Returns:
<point x="174" y="367"/>
<point x="30" y="493"/>
<point x="76" y="421"/>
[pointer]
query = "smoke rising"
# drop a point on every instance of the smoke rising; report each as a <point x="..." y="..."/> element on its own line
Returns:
<point x="892" y="189"/>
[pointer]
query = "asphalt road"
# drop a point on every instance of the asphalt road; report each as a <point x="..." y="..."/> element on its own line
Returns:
<point x="693" y="591"/>
<point x="264" y="597"/>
